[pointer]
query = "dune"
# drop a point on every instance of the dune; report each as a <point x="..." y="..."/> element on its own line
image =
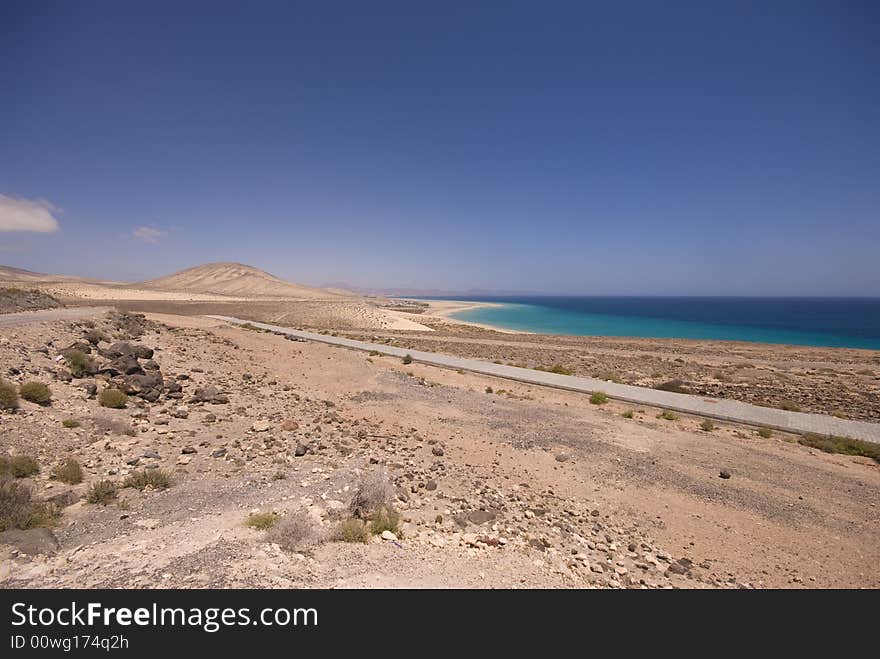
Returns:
<point x="238" y="280"/>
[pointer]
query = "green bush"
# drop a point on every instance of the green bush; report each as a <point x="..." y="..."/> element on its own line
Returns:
<point x="490" y="390"/>
<point x="102" y="492"/>
<point x="262" y="521"/>
<point x="156" y="478"/>
<point x="8" y="396"/>
<point x="765" y="432"/>
<point x="668" y="415"/>
<point x="36" y="392"/>
<point x="598" y="398"/>
<point x="18" y="466"/>
<point x="707" y="425"/>
<point x="79" y="363"/>
<point x="70" y="423"/>
<point x="407" y="359"/>
<point x="351" y="530"/>
<point x="18" y="510"/>
<point x="789" y="406"/>
<point x="68" y="472"/>
<point x="628" y="414"/>
<point x="842" y="445"/>
<point x="112" y="398"/>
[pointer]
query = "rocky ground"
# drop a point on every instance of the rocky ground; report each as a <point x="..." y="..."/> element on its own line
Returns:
<point x="498" y="484"/>
<point x="14" y="299"/>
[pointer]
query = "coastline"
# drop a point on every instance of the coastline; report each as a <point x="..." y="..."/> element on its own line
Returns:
<point x="443" y="310"/>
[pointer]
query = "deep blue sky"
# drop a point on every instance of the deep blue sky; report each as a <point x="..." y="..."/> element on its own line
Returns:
<point x="625" y="147"/>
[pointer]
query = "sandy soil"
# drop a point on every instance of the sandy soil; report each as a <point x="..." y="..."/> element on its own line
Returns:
<point x="521" y="487"/>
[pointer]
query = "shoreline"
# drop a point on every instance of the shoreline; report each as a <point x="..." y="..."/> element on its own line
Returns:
<point x="443" y="309"/>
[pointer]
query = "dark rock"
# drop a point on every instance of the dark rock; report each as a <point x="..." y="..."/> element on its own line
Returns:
<point x="118" y="349"/>
<point x="142" y="352"/>
<point x="561" y="457"/>
<point x="150" y="365"/>
<point x="724" y="474"/>
<point x="437" y="451"/>
<point x="90" y="387"/>
<point x="431" y="486"/>
<point x="218" y="453"/>
<point x="188" y="450"/>
<point x="301" y="450"/>
<point x="209" y="394"/>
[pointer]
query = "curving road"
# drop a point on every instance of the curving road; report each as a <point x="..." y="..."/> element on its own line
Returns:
<point x="716" y="408"/>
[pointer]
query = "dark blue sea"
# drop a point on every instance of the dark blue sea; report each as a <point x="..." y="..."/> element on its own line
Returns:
<point x="833" y="322"/>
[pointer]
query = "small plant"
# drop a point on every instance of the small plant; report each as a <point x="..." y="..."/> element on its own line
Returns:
<point x="279" y="476"/>
<point x="598" y="398"/>
<point x="556" y="368"/>
<point x="374" y="492"/>
<point x="765" y="432"/>
<point x="262" y="521"/>
<point x="18" y="510"/>
<point x="18" y="466"/>
<point x="707" y="425"/>
<point x="789" y="406"/>
<point x="374" y="353"/>
<point x="351" y="530"/>
<point x="385" y="519"/>
<point x="489" y="390"/>
<point x="70" y="423"/>
<point x="295" y="532"/>
<point x="69" y="472"/>
<point x="79" y="363"/>
<point x="628" y="414"/>
<point x="407" y="359"/>
<point x="102" y="492"/>
<point x="842" y="445"/>
<point x="36" y="392"/>
<point x="840" y="414"/>
<point x="668" y="415"/>
<point x="8" y="396"/>
<point x="141" y="479"/>
<point x="112" y="398"/>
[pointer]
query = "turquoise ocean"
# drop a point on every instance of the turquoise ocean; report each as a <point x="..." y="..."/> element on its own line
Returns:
<point x="831" y="322"/>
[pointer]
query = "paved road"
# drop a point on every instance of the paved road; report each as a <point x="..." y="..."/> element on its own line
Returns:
<point x="716" y="408"/>
<point x="49" y="315"/>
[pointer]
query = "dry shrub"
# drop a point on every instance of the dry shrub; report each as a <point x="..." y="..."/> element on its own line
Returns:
<point x="18" y="510"/>
<point x="158" y="479"/>
<point x="374" y="492"/>
<point x="35" y="392"/>
<point x="18" y="466"/>
<point x="296" y="531"/>
<point x="102" y="492"/>
<point x="69" y="472"/>
<point x="351" y="530"/>
<point x="8" y="396"/>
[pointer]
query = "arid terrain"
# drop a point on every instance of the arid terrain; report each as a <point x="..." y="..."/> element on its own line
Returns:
<point x="243" y="459"/>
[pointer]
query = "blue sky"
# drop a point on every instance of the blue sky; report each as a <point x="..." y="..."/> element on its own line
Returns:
<point x="727" y="148"/>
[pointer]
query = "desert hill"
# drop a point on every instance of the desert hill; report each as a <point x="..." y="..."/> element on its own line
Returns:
<point x="236" y="279"/>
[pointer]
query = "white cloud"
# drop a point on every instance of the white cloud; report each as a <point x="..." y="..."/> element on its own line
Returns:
<point x="26" y="215"/>
<point x="149" y="234"/>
